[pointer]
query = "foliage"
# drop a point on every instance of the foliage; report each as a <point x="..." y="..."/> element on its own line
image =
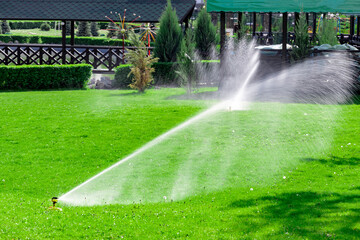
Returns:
<point x="168" y="38"/>
<point x="205" y="33"/>
<point x="44" y="76"/>
<point x="186" y="70"/>
<point x="94" y="29"/>
<point x="112" y="30"/>
<point x="5" y="28"/>
<point x="301" y="44"/>
<point x="83" y="29"/>
<point x="101" y="41"/>
<point x="327" y="33"/>
<point x="122" y="78"/>
<point x="29" y="24"/>
<point x="45" y="27"/>
<point x="163" y="75"/>
<point x="141" y="69"/>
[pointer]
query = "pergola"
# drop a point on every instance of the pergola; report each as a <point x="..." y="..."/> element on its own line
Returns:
<point x="351" y="7"/>
<point x="91" y="10"/>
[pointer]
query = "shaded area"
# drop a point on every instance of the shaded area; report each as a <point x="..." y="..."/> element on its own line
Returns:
<point x="304" y="213"/>
<point x="352" y="161"/>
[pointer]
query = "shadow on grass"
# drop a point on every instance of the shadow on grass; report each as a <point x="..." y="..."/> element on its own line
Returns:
<point x="304" y="214"/>
<point x="335" y="161"/>
<point x="212" y="95"/>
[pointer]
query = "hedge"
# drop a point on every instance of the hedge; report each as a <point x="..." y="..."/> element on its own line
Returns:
<point x="100" y="41"/>
<point x="164" y="73"/>
<point x="33" y="77"/>
<point x="29" y="24"/>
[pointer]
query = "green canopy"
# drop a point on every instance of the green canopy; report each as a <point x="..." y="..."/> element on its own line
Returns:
<point x="334" y="6"/>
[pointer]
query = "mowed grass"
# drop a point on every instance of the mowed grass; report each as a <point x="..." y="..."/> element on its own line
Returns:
<point x="296" y="176"/>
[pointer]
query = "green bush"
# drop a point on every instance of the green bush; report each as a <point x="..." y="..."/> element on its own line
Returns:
<point x="32" y="77"/>
<point x="5" y="28"/>
<point x="29" y="24"/>
<point x="164" y="73"/>
<point x="94" y="28"/>
<point x="83" y="29"/>
<point x="45" y="27"/>
<point x="100" y="41"/>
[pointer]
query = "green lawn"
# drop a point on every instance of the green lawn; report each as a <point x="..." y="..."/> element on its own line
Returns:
<point x="276" y="171"/>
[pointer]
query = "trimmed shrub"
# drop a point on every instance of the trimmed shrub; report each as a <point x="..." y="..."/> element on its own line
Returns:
<point x="101" y="41"/>
<point x="29" y="24"/>
<point x="94" y="29"/>
<point x="34" y="77"/>
<point x="164" y="73"/>
<point x="83" y="29"/>
<point x="205" y="33"/>
<point x="301" y="44"/>
<point x="169" y="36"/>
<point x="45" y="27"/>
<point x="122" y="78"/>
<point x="5" y="28"/>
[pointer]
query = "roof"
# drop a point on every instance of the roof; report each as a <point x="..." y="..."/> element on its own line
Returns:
<point x="340" y="6"/>
<point x="91" y="10"/>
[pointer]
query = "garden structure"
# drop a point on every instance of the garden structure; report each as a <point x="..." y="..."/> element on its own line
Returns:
<point x="284" y="7"/>
<point x="102" y="58"/>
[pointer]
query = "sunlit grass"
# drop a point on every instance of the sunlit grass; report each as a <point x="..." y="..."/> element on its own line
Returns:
<point x="301" y="162"/>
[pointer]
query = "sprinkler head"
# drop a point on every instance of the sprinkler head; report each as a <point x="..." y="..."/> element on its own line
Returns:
<point x="54" y="200"/>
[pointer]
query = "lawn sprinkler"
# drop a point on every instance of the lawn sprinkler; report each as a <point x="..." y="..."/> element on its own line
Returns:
<point x="53" y="207"/>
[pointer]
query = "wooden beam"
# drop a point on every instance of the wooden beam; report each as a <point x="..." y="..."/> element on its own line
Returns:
<point x="307" y="18"/>
<point x="63" y="56"/>
<point x="358" y="26"/>
<point x="72" y="33"/>
<point x="254" y="24"/>
<point x="222" y="32"/>
<point x="352" y="26"/>
<point x="270" y="22"/>
<point x="284" y="37"/>
<point x="314" y="27"/>
<point x="239" y="24"/>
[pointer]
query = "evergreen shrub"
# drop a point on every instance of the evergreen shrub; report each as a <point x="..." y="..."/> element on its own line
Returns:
<point x="169" y="36"/>
<point x="39" y="77"/>
<point x="45" y="27"/>
<point x="5" y="28"/>
<point x="83" y="29"/>
<point x="205" y="33"/>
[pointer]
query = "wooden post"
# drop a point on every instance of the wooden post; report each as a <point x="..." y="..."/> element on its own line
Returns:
<point x="63" y="56"/>
<point x="358" y="25"/>
<point x="352" y="26"/>
<point x="307" y="18"/>
<point x="72" y="33"/>
<point x="314" y="27"/>
<point x="239" y="24"/>
<point x="222" y="32"/>
<point x="284" y="35"/>
<point x="270" y="22"/>
<point x="254" y="24"/>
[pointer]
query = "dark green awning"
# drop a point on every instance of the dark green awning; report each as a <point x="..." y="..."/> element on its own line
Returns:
<point x="334" y="6"/>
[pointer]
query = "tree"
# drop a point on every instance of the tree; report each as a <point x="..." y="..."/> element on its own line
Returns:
<point x="205" y="33"/>
<point x="169" y="36"/>
<point x="5" y="27"/>
<point x="300" y="48"/>
<point x="327" y="34"/>
<point x="83" y="29"/>
<point x="141" y="69"/>
<point x="94" y="29"/>
<point x="186" y="68"/>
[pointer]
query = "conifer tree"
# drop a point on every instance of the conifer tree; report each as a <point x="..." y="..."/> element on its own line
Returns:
<point x="111" y="30"/>
<point x="5" y="27"/>
<point x="169" y="36"/>
<point x="94" y="29"/>
<point x="83" y="29"/>
<point x="205" y="33"/>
